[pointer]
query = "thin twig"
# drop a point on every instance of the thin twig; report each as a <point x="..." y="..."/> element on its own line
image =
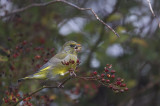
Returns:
<point x="86" y="78"/>
<point x="92" y="79"/>
<point x="98" y="41"/>
<point x="150" y="7"/>
<point x="63" y="1"/>
<point x="59" y="86"/>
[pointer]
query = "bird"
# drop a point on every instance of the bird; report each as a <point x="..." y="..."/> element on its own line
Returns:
<point x="60" y="65"/>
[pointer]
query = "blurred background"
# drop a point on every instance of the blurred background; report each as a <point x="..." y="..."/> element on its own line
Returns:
<point x="29" y="38"/>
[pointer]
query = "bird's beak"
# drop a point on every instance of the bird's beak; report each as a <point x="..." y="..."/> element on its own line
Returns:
<point x="78" y="47"/>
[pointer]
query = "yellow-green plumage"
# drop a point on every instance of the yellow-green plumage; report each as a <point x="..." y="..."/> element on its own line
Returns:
<point x="54" y="69"/>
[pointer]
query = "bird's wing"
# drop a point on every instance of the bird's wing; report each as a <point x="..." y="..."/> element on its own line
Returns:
<point x="53" y="61"/>
<point x="60" y="55"/>
<point x="58" y="58"/>
<point x="45" y="66"/>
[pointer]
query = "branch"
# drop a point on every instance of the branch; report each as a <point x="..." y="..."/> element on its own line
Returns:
<point x="63" y="1"/>
<point x="150" y="7"/>
<point x="86" y="78"/>
<point x="94" y="47"/>
<point x="59" y="86"/>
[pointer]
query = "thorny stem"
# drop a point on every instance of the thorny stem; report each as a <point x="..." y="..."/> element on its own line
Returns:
<point x="66" y="2"/>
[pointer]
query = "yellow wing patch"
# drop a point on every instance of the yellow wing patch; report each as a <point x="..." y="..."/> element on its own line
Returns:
<point x="44" y="69"/>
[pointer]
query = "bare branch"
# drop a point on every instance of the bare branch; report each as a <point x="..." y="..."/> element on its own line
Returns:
<point x="150" y="7"/>
<point x="59" y="86"/>
<point x="63" y="1"/>
<point x="86" y="78"/>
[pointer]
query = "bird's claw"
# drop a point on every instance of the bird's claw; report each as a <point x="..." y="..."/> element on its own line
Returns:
<point x="60" y="85"/>
<point x="72" y="73"/>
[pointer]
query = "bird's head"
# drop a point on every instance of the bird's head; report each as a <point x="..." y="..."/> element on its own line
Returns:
<point x="71" y="47"/>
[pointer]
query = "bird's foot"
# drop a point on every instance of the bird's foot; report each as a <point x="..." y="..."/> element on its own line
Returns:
<point x="60" y="85"/>
<point x="72" y="73"/>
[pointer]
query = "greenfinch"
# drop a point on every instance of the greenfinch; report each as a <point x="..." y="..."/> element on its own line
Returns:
<point x="59" y="65"/>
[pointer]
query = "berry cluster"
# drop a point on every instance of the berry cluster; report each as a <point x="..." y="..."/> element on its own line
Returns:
<point x="14" y="96"/>
<point x="70" y="62"/>
<point x="27" y="48"/>
<point x="36" y="54"/>
<point x="108" y="78"/>
<point x="47" y="99"/>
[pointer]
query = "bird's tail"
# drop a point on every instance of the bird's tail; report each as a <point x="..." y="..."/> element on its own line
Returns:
<point x="20" y="80"/>
<point x="34" y="76"/>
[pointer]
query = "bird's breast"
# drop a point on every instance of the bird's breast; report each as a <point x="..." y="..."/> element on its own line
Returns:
<point x="62" y="68"/>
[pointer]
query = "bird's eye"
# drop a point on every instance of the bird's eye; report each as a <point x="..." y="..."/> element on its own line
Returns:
<point x="72" y="45"/>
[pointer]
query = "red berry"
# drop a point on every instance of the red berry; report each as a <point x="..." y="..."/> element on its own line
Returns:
<point x="110" y="66"/>
<point x="72" y="61"/>
<point x="118" y="82"/>
<point x="18" y="95"/>
<point x="126" y="89"/>
<point x="103" y="80"/>
<point x="107" y="65"/>
<point x="102" y="75"/>
<point x="95" y="73"/>
<point x="67" y="63"/>
<point x="41" y="48"/>
<point x="27" y="49"/>
<point x="112" y="76"/>
<point x="14" y="99"/>
<point x="24" y="99"/>
<point x="16" y="90"/>
<point x="45" y="60"/>
<point x="107" y="80"/>
<point x="108" y="75"/>
<point x="98" y="77"/>
<point x="24" y="42"/>
<point x="113" y="71"/>
<point x="123" y="85"/>
<point x="110" y="86"/>
<point x="7" y="93"/>
<point x="121" y="90"/>
<point x="106" y="69"/>
<point x="17" y="47"/>
<point x="5" y="100"/>
<point x="15" y="55"/>
<point x="27" y="103"/>
<point x="29" y="98"/>
<point x="12" y="67"/>
<point x="38" y="66"/>
<point x="114" y="88"/>
<point x="78" y="61"/>
<point x="36" y="48"/>
<point x="30" y="104"/>
<point x="42" y="40"/>
<point x="118" y="79"/>
<point x="37" y="57"/>
<point x="52" y="50"/>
